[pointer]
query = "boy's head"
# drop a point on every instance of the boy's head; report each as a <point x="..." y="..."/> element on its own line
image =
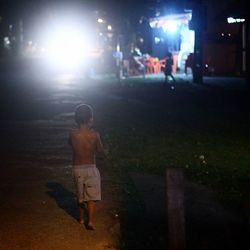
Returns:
<point x="83" y="114"/>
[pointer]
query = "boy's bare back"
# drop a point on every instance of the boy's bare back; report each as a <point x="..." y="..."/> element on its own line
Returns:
<point x="85" y="143"/>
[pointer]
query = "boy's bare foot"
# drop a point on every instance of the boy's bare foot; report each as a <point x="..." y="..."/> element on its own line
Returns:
<point x="81" y="221"/>
<point x="90" y="226"/>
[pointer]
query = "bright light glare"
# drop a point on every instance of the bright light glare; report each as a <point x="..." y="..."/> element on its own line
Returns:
<point x="68" y="45"/>
<point x="170" y="26"/>
<point x="66" y="48"/>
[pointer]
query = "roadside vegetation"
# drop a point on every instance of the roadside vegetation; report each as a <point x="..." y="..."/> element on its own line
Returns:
<point x="203" y="130"/>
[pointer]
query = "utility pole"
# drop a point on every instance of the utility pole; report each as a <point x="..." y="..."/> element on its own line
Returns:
<point x="247" y="50"/>
<point x="198" y="24"/>
<point x="20" y="38"/>
<point x="118" y="58"/>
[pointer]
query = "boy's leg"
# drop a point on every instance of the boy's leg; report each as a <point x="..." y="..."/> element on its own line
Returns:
<point x="80" y="207"/>
<point x="166" y="78"/>
<point x="79" y="189"/>
<point x="173" y="78"/>
<point x="90" y="205"/>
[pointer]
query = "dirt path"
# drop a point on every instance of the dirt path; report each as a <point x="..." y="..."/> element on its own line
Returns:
<point x="38" y="206"/>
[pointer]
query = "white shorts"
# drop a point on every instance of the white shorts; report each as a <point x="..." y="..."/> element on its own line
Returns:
<point x="88" y="183"/>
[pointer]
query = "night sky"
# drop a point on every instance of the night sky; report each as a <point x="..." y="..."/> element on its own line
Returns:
<point x="36" y="14"/>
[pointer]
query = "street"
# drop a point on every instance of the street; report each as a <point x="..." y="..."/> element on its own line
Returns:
<point x="169" y="86"/>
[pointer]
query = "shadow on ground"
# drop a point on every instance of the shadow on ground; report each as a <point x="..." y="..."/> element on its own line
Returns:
<point x="64" y="198"/>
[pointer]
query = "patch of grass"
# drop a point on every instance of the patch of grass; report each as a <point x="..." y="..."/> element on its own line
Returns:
<point x="204" y="132"/>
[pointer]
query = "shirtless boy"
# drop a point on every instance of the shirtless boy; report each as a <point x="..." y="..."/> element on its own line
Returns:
<point x="86" y="143"/>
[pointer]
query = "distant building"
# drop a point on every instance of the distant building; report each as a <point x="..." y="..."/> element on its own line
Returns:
<point x="224" y="39"/>
<point x="222" y="43"/>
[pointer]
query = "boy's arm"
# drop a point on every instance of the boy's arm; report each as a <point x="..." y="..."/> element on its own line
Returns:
<point x="102" y="152"/>
<point x="99" y="145"/>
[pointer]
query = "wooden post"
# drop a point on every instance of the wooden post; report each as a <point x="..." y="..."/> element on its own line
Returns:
<point x="175" y="209"/>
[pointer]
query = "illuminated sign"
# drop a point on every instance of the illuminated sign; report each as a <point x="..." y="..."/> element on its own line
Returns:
<point x="235" y="20"/>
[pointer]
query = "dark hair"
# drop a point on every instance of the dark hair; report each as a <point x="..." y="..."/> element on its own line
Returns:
<point x="83" y="113"/>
